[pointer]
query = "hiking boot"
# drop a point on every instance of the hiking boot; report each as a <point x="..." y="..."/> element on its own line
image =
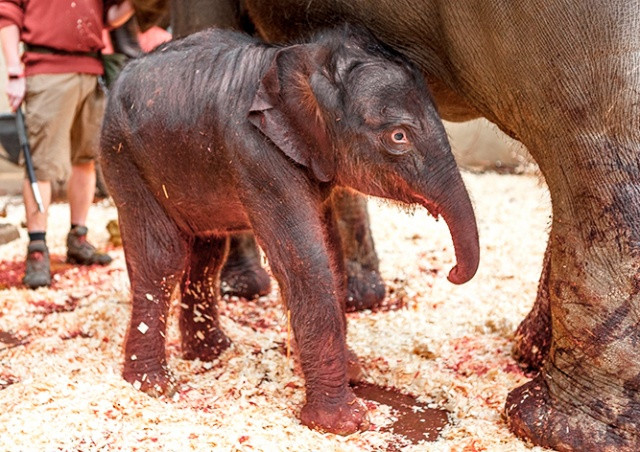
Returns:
<point x="38" y="269"/>
<point x="79" y="251"/>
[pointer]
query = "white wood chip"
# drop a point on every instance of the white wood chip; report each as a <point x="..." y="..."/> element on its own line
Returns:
<point x="143" y="327"/>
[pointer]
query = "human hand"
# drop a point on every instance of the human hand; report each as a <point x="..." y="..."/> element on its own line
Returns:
<point x="15" y="89"/>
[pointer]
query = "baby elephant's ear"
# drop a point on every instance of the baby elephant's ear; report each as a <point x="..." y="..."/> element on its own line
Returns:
<point x="286" y="109"/>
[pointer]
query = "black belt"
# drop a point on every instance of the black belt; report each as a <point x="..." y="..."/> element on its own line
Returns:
<point x="52" y="51"/>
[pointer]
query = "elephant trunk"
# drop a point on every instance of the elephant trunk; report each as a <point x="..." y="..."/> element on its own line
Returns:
<point x="455" y="207"/>
<point x="462" y="224"/>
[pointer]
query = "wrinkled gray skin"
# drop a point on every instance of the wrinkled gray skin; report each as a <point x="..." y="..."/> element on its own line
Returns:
<point x="562" y="77"/>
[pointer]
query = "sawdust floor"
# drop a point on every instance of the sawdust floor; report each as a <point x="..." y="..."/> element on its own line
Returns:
<point x="61" y="347"/>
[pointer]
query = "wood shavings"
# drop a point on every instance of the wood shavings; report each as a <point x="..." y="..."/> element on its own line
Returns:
<point x="449" y="345"/>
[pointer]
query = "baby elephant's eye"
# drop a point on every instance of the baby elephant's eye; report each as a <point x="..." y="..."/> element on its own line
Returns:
<point x="399" y="136"/>
<point x="397" y="141"/>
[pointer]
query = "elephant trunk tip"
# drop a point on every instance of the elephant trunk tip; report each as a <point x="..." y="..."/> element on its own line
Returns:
<point x="461" y="276"/>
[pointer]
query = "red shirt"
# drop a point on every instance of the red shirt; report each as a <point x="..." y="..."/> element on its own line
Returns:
<point x="66" y="25"/>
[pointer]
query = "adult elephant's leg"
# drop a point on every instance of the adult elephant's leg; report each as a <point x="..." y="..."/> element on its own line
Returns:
<point x="242" y="274"/>
<point x="366" y="289"/>
<point x="533" y="336"/>
<point x="190" y="16"/>
<point x="587" y="395"/>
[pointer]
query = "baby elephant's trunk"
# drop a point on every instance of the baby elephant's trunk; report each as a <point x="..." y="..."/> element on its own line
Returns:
<point x="457" y="211"/>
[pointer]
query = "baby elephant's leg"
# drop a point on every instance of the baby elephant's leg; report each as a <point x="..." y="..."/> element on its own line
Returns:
<point x="199" y="324"/>
<point x="155" y="253"/>
<point x="313" y="287"/>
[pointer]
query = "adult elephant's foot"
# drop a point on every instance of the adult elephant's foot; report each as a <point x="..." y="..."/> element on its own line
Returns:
<point x="154" y="380"/>
<point x="568" y="423"/>
<point x="347" y="416"/>
<point x="242" y="274"/>
<point x="532" y="340"/>
<point x="533" y="336"/>
<point x="365" y="288"/>
<point x="205" y="347"/>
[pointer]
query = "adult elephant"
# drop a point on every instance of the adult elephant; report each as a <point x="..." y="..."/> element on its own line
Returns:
<point x="563" y="77"/>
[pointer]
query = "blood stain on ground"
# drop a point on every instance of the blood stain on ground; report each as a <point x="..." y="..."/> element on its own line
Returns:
<point x="416" y="421"/>
<point x="10" y="341"/>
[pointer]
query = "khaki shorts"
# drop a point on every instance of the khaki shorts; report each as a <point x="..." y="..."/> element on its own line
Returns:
<point x="63" y="114"/>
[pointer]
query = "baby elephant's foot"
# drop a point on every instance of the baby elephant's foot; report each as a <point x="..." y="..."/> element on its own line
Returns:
<point x="344" y="418"/>
<point x="156" y="383"/>
<point x="355" y="372"/>
<point x="205" y="346"/>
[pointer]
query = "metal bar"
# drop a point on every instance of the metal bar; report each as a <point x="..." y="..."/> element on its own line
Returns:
<point x="26" y="150"/>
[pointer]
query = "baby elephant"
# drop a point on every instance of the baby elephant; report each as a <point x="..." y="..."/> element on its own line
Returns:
<point x="219" y="133"/>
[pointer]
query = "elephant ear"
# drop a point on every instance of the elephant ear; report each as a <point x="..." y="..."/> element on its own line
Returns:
<point x="286" y="109"/>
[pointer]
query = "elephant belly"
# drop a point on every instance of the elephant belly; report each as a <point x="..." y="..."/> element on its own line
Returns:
<point x="210" y="217"/>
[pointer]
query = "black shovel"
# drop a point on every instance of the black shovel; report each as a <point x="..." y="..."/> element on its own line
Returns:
<point x="26" y="151"/>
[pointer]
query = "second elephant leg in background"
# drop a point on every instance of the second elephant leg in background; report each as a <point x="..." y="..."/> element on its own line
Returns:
<point x="366" y="289"/>
<point x="243" y="275"/>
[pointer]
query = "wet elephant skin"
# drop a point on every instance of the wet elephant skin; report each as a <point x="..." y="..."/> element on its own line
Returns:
<point x="219" y="133"/>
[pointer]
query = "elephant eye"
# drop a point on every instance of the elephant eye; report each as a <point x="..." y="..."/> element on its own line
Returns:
<point x="399" y="136"/>
<point x="397" y="141"/>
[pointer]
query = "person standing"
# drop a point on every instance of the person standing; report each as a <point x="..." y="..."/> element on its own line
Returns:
<point x="57" y="77"/>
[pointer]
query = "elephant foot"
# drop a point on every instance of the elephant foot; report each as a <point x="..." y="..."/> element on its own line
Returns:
<point x="245" y="280"/>
<point x="343" y="418"/>
<point x="208" y="348"/>
<point x="156" y="381"/>
<point x="533" y="336"/>
<point x="365" y="288"/>
<point x="532" y="341"/>
<point x="565" y="425"/>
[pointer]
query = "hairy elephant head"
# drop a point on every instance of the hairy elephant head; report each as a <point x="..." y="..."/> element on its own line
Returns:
<point x="359" y="115"/>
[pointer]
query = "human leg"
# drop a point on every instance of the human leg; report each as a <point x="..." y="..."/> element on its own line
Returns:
<point x="82" y="181"/>
<point x="48" y="114"/>
<point x="37" y="268"/>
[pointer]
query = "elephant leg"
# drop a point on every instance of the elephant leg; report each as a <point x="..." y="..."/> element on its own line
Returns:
<point x="202" y="337"/>
<point x="190" y="16"/>
<point x="306" y="264"/>
<point x="155" y="253"/>
<point x="242" y="274"/>
<point x="355" y="373"/>
<point x="533" y="336"/>
<point x="587" y="396"/>
<point x="366" y="290"/>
